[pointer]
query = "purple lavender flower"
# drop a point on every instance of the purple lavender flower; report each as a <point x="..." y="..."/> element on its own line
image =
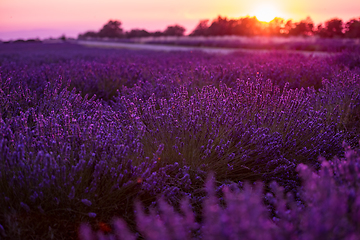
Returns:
<point x="72" y="193"/>
<point x="86" y="202"/>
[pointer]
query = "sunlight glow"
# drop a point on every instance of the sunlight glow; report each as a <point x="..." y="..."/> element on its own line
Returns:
<point x="266" y="12"/>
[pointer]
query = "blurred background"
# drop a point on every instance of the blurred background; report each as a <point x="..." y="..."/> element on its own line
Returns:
<point x="41" y="19"/>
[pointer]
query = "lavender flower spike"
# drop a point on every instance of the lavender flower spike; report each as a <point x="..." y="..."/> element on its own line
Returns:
<point x="86" y="202"/>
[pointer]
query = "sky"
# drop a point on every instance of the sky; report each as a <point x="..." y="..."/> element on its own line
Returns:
<point x="25" y="19"/>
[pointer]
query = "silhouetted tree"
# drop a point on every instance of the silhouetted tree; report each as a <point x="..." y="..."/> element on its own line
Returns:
<point x="321" y="31"/>
<point x="333" y="28"/>
<point x="157" y="34"/>
<point x="62" y="37"/>
<point x="276" y="27"/>
<point x="175" y="30"/>
<point x="201" y="29"/>
<point x="251" y="26"/>
<point x="248" y="26"/>
<point x="136" y="33"/>
<point x="89" y="34"/>
<point x="288" y="26"/>
<point x="220" y="27"/>
<point x="352" y="28"/>
<point x="238" y="29"/>
<point x="112" y="29"/>
<point x="304" y="28"/>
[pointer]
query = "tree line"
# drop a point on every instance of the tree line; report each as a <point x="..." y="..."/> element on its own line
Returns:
<point x="245" y="26"/>
<point x="251" y="26"/>
<point x="112" y="29"/>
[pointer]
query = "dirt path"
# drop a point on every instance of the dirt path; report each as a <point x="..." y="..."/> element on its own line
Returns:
<point x="167" y="48"/>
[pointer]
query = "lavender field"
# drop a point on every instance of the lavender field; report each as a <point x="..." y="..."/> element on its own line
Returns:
<point x="135" y="144"/>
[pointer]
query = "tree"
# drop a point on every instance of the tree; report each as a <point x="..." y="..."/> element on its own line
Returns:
<point x="304" y="28"/>
<point x="247" y="26"/>
<point x="352" y="28"/>
<point x="136" y="33"/>
<point x="288" y="26"/>
<point x="220" y="27"/>
<point x="89" y="34"/>
<point x="62" y="37"/>
<point x="111" y="29"/>
<point x="201" y="29"/>
<point x="251" y="26"/>
<point x="175" y="30"/>
<point x="157" y="34"/>
<point x="275" y="27"/>
<point x="321" y="31"/>
<point x="334" y="28"/>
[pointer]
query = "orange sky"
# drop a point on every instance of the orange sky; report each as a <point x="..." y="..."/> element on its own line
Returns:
<point x="52" y="18"/>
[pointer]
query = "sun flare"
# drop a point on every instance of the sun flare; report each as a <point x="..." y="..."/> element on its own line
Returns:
<point x="266" y="12"/>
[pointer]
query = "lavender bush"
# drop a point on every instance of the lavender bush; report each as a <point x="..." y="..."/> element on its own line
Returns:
<point x="85" y="133"/>
<point x="326" y="207"/>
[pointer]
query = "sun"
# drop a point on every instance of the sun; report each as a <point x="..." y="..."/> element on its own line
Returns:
<point x="266" y="12"/>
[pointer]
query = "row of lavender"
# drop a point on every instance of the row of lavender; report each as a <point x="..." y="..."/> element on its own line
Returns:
<point x="103" y="72"/>
<point x="157" y="124"/>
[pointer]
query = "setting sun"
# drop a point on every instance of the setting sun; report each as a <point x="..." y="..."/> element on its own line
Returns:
<point x="266" y="12"/>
